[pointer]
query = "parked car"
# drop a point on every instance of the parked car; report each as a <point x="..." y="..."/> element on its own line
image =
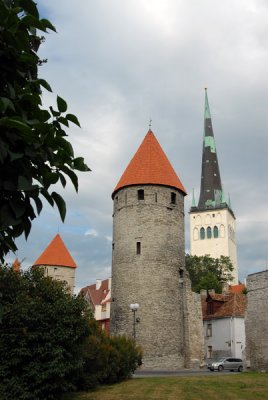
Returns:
<point x="226" y="363"/>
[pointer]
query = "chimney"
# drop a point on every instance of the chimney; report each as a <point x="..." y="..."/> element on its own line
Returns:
<point x="109" y="283"/>
<point x="98" y="284"/>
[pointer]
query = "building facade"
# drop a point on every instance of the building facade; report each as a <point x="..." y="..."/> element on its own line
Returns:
<point x="212" y="221"/>
<point x="98" y="296"/>
<point x="148" y="262"/>
<point x="224" y="325"/>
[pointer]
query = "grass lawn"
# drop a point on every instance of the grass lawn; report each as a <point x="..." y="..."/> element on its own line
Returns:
<point x="245" y="386"/>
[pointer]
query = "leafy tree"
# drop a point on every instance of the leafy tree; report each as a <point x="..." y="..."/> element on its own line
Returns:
<point x="34" y="152"/>
<point x="42" y="331"/>
<point x="208" y="273"/>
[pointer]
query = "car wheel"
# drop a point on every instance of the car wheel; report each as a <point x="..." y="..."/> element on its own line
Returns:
<point x="220" y="368"/>
<point x="240" y="369"/>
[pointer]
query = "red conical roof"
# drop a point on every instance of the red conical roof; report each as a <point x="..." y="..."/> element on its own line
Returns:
<point x="57" y="254"/>
<point x="149" y="165"/>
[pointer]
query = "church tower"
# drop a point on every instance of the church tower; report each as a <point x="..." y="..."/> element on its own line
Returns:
<point x="58" y="262"/>
<point x="148" y="256"/>
<point x="212" y="221"/>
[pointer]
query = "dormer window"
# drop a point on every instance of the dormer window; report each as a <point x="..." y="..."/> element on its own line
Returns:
<point x="140" y="194"/>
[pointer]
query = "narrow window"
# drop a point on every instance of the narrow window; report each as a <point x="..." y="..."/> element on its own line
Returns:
<point x="209" y="232"/>
<point x="126" y="198"/>
<point x="173" y="198"/>
<point x="140" y="194"/>
<point x="155" y="197"/>
<point x="209" y="351"/>
<point x="209" y="329"/>
<point x="138" y="249"/>
<point x="215" y="232"/>
<point x="202" y="233"/>
<point x="113" y="246"/>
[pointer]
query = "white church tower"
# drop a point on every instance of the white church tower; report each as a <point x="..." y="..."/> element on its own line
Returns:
<point x="212" y="221"/>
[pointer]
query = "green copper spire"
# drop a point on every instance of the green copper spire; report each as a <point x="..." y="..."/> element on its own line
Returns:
<point x="211" y="188"/>
<point x="207" y="110"/>
<point x="193" y="200"/>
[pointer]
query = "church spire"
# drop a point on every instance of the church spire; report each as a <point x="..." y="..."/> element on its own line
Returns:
<point x="211" y="194"/>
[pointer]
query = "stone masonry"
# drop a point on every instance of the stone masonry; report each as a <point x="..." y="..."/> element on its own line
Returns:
<point x="148" y="268"/>
<point x="256" y="322"/>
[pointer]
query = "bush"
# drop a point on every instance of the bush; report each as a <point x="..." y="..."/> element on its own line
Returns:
<point x="107" y="359"/>
<point x="42" y="330"/>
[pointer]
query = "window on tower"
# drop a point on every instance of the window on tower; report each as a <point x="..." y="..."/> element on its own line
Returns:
<point x="202" y="233"/>
<point x="216" y="232"/>
<point x="140" y="194"/>
<point x="138" y="248"/>
<point x="173" y="198"/>
<point x="209" y="232"/>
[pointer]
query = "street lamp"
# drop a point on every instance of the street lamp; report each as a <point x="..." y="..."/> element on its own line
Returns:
<point x="134" y="308"/>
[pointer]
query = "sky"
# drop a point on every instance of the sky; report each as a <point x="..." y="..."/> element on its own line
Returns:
<point x="119" y="64"/>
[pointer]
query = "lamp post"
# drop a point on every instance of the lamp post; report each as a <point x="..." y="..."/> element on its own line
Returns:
<point x="134" y="308"/>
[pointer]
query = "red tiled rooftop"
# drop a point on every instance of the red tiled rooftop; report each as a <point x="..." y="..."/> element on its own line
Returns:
<point x="149" y="165"/>
<point x="237" y="288"/>
<point x="57" y="254"/>
<point x="228" y="305"/>
<point x="97" y="296"/>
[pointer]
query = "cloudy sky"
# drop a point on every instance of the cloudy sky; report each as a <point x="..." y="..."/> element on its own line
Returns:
<point x="119" y="63"/>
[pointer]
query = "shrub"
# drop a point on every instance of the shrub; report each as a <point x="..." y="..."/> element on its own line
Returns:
<point x="42" y="330"/>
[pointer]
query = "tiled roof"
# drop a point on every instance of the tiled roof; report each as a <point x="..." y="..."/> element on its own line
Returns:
<point x="56" y="254"/>
<point x="98" y="296"/>
<point x="228" y="305"/>
<point x="237" y="288"/>
<point x="149" y="165"/>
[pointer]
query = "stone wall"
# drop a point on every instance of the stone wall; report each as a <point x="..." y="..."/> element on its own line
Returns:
<point x="193" y="325"/>
<point x="256" y="321"/>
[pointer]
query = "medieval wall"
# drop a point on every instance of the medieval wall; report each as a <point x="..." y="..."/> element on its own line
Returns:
<point x="256" y="321"/>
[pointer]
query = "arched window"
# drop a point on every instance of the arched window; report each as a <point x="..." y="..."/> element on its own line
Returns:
<point x="195" y="234"/>
<point x="215" y="232"/>
<point x="202" y="233"/>
<point x="209" y="232"/>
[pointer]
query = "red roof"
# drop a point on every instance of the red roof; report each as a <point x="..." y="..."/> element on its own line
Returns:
<point x="237" y="288"/>
<point x="57" y="254"/>
<point x="149" y="165"/>
<point x="98" y="296"/>
<point x="16" y="265"/>
<point x="225" y="305"/>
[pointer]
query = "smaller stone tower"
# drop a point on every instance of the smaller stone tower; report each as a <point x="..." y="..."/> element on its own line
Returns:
<point x="58" y="262"/>
<point x="148" y="260"/>
<point x="212" y="221"/>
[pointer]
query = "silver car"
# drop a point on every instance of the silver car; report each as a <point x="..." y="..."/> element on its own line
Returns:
<point x="227" y="363"/>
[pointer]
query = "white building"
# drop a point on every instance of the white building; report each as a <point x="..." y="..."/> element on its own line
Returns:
<point x="224" y="325"/>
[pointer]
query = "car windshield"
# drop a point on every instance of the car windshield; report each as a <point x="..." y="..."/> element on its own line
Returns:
<point x="221" y="360"/>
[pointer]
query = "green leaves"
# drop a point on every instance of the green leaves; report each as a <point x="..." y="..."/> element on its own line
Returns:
<point x="208" y="273"/>
<point x="34" y="151"/>
<point x="62" y="105"/>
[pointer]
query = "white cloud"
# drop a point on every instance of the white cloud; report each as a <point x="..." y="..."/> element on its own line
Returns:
<point x="91" y="232"/>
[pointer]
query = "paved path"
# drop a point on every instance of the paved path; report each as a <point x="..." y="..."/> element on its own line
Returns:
<point x="181" y="372"/>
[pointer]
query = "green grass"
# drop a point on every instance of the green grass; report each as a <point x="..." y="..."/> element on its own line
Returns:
<point x="246" y="386"/>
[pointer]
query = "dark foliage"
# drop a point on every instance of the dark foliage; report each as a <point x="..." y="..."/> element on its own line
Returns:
<point x="42" y="329"/>
<point x="107" y="359"/>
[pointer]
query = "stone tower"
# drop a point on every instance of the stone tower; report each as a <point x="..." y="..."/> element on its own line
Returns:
<point x="212" y="221"/>
<point x="58" y="262"/>
<point x="148" y="256"/>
